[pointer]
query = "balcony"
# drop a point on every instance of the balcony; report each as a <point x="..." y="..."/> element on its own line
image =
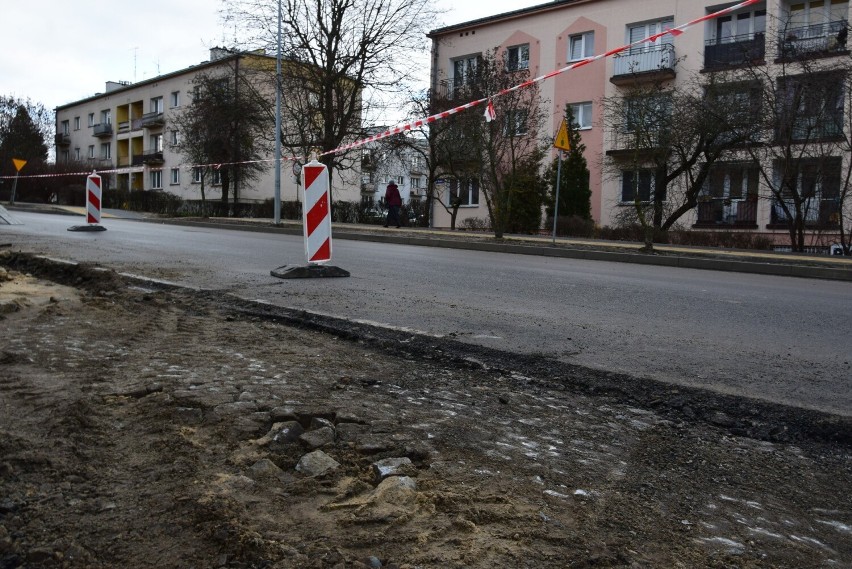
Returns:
<point x="734" y="51"/>
<point x="147" y="157"/>
<point x="818" y="40"/>
<point x="101" y="163"/>
<point x="124" y="161"/>
<point x="725" y="212"/>
<point x="123" y="126"/>
<point x="811" y="129"/>
<point x="152" y="120"/>
<point x="102" y="130"/>
<point x="625" y="140"/>
<point x="63" y="139"/>
<point x="644" y="64"/>
<point x="818" y="213"/>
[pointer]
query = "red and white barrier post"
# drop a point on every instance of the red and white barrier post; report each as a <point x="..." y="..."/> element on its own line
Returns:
<point x="316" y="224"/>
<point x="93" y="205"/>
<point x="316" y="213"/>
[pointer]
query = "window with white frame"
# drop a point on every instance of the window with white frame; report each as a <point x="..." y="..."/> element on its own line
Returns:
<point x="174" y="137"/>
<point x="816" y="13"/>
<point x="582" y="115"/>
<point x="91" y="119"/>
<point x="464" y="70"/>
<point x="465" y="190"/>
<point x="196" y="175"/>
<point x="740" y="27"/>
<point x="733" y="180"/>
<point x="581" y="46"/>
<point x="640" y="31"/>
<point x="174" y="99"/>
<point x="217" y="176"/>
<point x="641" y="181"/>
<point x="64" y="127"/>
<point x="91" y="151"/>
<point x="106" y="151"/>
<point x="76" y="154"/>
<point x="400" y="180"/>
<point x="156" y="179"/>
<point x="174" y="176"/>
<point x="518" y="57"/>
<point x="156" y="142"/>
<point x="106" y="116"/>
<point x="817" y="182"/>
<point x="157" y="105"/>
<point x="76" y="123"/>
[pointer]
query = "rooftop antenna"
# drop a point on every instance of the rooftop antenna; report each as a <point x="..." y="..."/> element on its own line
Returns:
<point x="135" y="49"/>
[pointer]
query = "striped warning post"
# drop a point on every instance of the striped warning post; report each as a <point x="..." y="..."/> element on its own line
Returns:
<point x="316" y="213"/>
<point x="93" y="199"/>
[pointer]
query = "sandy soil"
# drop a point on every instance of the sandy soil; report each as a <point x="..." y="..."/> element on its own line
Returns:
<point x="148" y="427"/>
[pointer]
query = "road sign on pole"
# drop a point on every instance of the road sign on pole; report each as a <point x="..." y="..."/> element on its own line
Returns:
<point x="19" y="163"/>
<point x="562" y="140"/>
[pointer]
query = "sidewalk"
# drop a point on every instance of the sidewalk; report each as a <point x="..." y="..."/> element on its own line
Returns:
<point x="759" y="262"/>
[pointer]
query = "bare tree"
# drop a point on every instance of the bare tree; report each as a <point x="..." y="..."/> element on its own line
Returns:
<point x="225" y="127"/>
<point x="343" y="56"/>
<point x="503" y="155"/>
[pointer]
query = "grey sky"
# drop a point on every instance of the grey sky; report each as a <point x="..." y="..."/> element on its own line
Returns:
<point x="56" y="52"/>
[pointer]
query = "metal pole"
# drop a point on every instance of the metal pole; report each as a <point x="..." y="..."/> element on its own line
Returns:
<point x="14" y="187"/>
<point x="556" y="203"/>
<point x="278" y="124"/>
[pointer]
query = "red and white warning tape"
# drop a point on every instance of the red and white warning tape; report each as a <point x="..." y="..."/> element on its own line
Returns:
<point x="406" y="127"/>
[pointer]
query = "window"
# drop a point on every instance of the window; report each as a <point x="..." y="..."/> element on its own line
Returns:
<point x="812" y="107"/>
<point x="733" y="180"/>
<point x="515" y="123"/>
<point x="637" y="32"/>
<point x="816" y="12"/>
<point x="415" y="183"/>
<point x="817" y="183"/>
<point x="416" y="162"/>
<point x="740" y="27"/>
<point x="196" y="175"/>
<point x="400" y="180"/>
<point x="464" y="70"/>
<point x="91" y="119"/>
<point x="106" y="151"/>
<point x="76" y="154"/>
<point x="581" y="46"/>
<point x="465" y="190"/>
<point x="156" y="141"/>
<point x="641" y="181"/>
<point x="175" y="99"/>
<point x="156" y="179"/>
<point x="65" y="156"/>
<point x="518" y="57"/>
<point x="76" y="123"/>
<point x="647" y="113"/>
<point x="217" y="176"/>
<point x="64" y="127"/>
<point x="582" y="115"/>
<point x="106" y="116"/>
<point x="174" y="137"/>
<point x="157" y="105"/>
<point x="91" y="151"/>
<point x="175" y="176"/>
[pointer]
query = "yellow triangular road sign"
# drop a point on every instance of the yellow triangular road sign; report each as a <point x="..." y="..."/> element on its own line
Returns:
<point x="562" y="141"/>
<point x="19" y="163"/>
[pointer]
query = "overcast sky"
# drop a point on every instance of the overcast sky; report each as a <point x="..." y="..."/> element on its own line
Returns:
<point x="56" y="52"/>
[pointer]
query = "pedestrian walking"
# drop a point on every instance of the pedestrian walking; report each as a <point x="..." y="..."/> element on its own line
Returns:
<point x="394" y="202"/>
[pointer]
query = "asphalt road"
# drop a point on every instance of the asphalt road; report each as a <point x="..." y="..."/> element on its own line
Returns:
<point x="781" y="339"/>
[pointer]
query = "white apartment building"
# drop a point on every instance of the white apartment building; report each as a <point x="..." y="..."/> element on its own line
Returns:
<point x="125" y="134"/>
<point x="547" y="37"/>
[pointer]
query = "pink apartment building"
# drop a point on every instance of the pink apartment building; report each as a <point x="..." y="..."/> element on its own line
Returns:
<point x="550" y="36"/>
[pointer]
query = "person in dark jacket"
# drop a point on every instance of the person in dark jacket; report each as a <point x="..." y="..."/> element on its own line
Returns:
<point x="394" y="202"/>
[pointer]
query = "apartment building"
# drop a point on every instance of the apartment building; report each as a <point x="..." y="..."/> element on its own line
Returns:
<point x="126" y="133"/>
<point x="773" y="36"/>
<point x="384" y="162"/>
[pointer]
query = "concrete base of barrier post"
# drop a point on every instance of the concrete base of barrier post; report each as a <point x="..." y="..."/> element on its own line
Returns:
<point x="87" y="228"/>
<point x="308" y="272"/>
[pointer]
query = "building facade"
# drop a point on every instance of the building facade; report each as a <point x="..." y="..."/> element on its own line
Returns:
<point x="128" y="135"/>
<point x="772" y="37"/>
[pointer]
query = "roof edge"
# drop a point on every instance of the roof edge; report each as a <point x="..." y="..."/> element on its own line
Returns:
<point x="556" y="4"/>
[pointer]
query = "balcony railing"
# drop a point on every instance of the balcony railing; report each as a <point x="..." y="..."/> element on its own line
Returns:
<point x="734" y="51"/>
<point x="150" y="120"/>
<point x="102" y="130"/>
<point x="817" y="39"/>
<point x="649" y="61"/>
<point x="124" y="161"/>
<point x="727" y="212"/>
<point x="624" y="139"/>
<point x="148" y="157"/>
<point x="123" y="126"/>
<point x="63" y="139"/>
<point x="811" y="129"/>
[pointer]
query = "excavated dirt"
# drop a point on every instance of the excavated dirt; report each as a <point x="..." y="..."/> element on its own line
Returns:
<point x="150" y="427"/>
